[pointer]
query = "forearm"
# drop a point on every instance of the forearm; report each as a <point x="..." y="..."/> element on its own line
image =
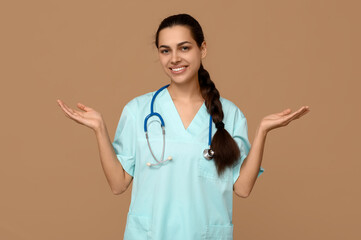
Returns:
<point x="112" y="167"/>
<point x="251" y="165"/>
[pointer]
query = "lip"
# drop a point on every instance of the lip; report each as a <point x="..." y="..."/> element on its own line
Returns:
<point x="179" y="72"/>
<point x="178" y="66"/>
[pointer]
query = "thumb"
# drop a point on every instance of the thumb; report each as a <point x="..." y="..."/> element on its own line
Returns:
<point x="83" y="107"/>
<point x="285" y="112"/>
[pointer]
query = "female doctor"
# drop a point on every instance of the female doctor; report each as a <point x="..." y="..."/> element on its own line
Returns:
<point x="185" y="147"/>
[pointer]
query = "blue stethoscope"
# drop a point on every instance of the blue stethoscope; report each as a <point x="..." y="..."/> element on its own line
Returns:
<point x="207" y="153"/>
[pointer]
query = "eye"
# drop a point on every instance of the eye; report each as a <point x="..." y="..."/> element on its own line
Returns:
<point x="185" y="47"/>
<point x="162" y="51"/>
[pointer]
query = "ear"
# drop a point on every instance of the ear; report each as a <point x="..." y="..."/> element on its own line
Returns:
<point x="204" y="49"/>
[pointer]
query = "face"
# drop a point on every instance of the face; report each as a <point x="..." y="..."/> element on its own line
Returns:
<point x="179" y="54"/>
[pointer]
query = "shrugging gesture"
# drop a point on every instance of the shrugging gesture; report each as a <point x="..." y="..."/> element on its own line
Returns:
<point x="282" y="119"/>
<point x="117" y="178"/>
<point x="88" y="117"/>
<point x="250" y="168"/>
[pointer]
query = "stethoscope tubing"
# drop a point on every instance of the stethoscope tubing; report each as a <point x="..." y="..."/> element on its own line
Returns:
<point x="208" y="153"/>
<point x="152" y="113"/>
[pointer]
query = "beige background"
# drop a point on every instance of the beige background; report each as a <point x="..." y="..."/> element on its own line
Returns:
<point x="264" y="56"/>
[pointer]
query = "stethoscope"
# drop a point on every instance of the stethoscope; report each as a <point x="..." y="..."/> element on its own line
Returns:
<point x="208" y="153"/>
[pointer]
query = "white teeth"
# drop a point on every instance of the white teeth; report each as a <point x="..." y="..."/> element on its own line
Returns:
<point x="178" y="69"/>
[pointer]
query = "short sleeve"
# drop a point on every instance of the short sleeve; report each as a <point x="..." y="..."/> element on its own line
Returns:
<point x="240" y="135"/>
<point x="124" y="141"/>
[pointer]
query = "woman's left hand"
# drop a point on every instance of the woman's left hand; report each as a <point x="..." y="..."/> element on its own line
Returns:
<point x="281" y="119"/>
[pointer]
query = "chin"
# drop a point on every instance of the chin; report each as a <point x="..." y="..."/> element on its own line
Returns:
<point x="180" y="79"/>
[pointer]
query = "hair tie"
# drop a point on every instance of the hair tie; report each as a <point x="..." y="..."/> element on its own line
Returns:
<point x="219" y="125"/>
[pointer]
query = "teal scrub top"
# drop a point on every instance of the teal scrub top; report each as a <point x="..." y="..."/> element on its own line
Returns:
<point x="183" y="198"/>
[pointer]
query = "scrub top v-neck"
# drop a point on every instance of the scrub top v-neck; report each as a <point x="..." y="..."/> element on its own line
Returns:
<point x="183" y="198"/>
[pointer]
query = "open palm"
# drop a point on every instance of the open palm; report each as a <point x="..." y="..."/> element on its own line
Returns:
<point x="283" y="118"/>
<point x="88" y="117"/>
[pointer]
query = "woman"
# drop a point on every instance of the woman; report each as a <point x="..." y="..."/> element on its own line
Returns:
<point x="183" y="186"/>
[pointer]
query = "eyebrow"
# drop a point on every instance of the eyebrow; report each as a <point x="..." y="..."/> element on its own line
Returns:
<point x="181" y="43"/>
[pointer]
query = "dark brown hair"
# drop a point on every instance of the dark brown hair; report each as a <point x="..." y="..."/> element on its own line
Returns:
<point x="226" y="151"/>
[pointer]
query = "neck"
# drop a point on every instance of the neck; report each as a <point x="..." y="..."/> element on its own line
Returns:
<point x="185" y="92"/>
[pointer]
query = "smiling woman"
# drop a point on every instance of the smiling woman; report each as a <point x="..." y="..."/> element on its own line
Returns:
<point x="182" y="66"/>
<point x="180" y="54"/>
<point x="202" y="136"/>
<point x="193" y="194"/>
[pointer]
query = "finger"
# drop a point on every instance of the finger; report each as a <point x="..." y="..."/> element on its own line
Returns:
<point x="74" y="116"/>
<point x="76" y="112"/>
<point x="297" y="114"/>
<point x="83" y="107"/>
<point x="284" y="112"/>
<point x="303" y="110"/>
<point x="61" y="104"/>
<point x="70" y="112"/>
<point x="303" y="113"/>
<point x="66" y="113"/>
<point x="66" y="109"/>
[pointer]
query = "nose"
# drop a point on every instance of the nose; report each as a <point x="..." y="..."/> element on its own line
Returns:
<point x="175" y="57"/>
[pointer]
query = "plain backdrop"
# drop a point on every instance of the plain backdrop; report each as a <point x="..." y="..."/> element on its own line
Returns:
<point x="265" y="56"/>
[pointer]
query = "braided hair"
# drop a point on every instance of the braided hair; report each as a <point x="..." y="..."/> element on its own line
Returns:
<point x="226" y="150"/>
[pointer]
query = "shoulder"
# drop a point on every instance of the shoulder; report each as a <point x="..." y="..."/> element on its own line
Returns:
<point x="139" y="103"/>
<point x="230" y="109"/>
<point x="234" y="119"/>
<point x="135" y="102"/>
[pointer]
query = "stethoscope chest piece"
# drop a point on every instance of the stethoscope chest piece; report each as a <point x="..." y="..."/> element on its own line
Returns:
<point x="208" y="154"/>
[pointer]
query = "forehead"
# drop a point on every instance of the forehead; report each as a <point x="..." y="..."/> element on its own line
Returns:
<point x="172" y="35"/>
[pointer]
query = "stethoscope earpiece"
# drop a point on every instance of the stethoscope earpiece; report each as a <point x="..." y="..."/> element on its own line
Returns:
<point x="168" y="159"/>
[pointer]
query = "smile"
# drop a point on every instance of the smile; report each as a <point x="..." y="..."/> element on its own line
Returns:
<point x="178" y="70"/>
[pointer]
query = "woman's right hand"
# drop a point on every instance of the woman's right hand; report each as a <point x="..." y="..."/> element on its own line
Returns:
<point x="88" y="117"/>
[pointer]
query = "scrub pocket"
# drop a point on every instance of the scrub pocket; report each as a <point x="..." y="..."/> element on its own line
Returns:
<point x="137" y="227"/>
<point x="207" y="169"/>
<point x="219" y="232"/>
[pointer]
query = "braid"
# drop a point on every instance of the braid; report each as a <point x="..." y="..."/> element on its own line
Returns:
<point x="210" y="94"/>
<point x="226" y="151"/>
<point x="225" y="148"/>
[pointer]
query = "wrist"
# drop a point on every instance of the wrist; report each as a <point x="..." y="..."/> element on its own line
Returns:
<point x="100" y="128"/>
<point x="261" y="130"/>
